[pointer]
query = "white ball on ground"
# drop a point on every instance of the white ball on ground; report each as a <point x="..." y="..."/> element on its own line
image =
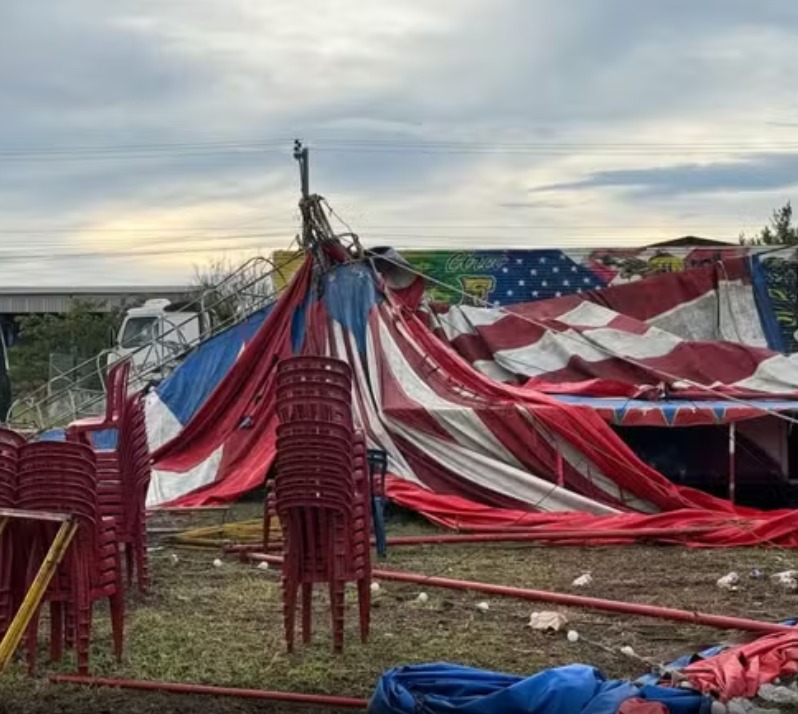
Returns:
<point x="573" y="636"/>
<point x="375" y="587"/>
<point x="422" y="598"/>
<point x="217" y="563"/>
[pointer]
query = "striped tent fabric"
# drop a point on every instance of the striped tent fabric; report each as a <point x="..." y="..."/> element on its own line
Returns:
<point x="694" y="334"/>
<point x="465" y="449"/>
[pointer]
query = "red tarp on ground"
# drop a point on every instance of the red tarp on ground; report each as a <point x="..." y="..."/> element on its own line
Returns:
<point x="740" y="671"/>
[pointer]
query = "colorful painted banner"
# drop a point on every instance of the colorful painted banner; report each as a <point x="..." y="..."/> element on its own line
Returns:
<point x="780" y="270"/>
<point x="506" y="277"/>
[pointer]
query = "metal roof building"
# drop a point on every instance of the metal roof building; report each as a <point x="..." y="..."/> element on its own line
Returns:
<point x="32" y="300"/>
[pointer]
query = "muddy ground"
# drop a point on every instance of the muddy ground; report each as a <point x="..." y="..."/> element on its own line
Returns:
<point x="223" y="625"/>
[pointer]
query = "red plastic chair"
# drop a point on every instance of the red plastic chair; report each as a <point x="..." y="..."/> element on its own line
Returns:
<point x="61" y="477"/>
<point x="319" y="493"/>
<point x="8" y="437"/>
<point x="136" y="463"/>
<point x="116" y="388"/>
<point x="123" y="472"/>
<point x="8" y="487"/>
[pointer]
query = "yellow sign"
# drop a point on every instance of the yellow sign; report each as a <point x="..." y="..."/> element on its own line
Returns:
<point x="286" y="262"/>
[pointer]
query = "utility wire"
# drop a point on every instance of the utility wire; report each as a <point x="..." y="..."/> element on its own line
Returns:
<point x="404" y="146"/>
<point x="125" y="254"/>
<point x="24" y="230"/>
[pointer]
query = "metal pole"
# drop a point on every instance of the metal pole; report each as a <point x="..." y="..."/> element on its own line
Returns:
<point x="180" y="688"/>
<point x="301" y="155"/>
<point x="723" y="622"/>
<point x="567" y="537"/>
<point x="732" y="465"/>
<point x="625" y="608"/>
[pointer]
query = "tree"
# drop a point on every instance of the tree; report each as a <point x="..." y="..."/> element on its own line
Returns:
<point x="781" y="230"/>
<point x="231" y="290"/>
<point x="81" y="333"/>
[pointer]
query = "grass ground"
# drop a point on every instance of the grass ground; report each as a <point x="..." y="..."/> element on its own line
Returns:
<point x="223" y="625"/>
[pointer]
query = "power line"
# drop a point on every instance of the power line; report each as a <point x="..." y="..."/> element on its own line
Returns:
<point x="405" y="146"/>
<point x="150" y="240"/>
<point x="286" y="143"/>
<point x="365" y="227"/>
<point x="125" y="254"/>
<point x="421" y="242"/>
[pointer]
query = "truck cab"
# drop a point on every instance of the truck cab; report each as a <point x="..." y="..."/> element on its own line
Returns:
<point x="156" y="334"/>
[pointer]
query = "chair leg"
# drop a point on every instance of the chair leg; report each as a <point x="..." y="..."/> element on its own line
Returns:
<point x="142" y="562"/>
<point x="32" y="635"/>
<point x="32" y="642"/>
<point x="267" y="515"/>
<point x="5" y="610"/>
<point x="290" y="588"/>
<point x="129" y="560"/>
<point x="83" y="633"/>
<point x="69" y="625"/>
<point x="364" y="605"/>
<point x="337" y="613"/>
<point x="307" y="612"/>
<point x="56" y="631"/>
<point x="117" y="606"/>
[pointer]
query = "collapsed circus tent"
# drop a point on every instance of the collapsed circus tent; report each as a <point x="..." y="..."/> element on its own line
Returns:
<point x="466" y="449"/>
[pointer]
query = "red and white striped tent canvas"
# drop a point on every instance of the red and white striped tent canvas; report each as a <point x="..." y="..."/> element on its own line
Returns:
<point x="669" y="332"/>
<point x="466" y="449"/>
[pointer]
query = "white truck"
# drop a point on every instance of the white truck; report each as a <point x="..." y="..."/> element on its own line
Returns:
<point x="156" y="334"/>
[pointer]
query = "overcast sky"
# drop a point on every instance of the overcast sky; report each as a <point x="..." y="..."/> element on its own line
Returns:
<point x="138" y="138"/>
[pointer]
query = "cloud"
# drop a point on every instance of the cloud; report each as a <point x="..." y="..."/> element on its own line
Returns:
<point x="425" y="112"/>
<point x="763" y="172"/>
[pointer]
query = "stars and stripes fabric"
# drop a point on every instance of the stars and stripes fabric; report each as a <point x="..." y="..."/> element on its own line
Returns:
<point x="695" y="334"/>
<point x="542" y="275"/>
<point x="464" y="449"/>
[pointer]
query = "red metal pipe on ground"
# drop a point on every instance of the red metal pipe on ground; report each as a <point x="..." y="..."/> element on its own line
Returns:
<point x="178" y="688"/>
<point x="542" y="535"/>
<point x="593" y="603"/>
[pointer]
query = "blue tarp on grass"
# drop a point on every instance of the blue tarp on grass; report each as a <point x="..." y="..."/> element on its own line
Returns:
<point x="575" y="689"/>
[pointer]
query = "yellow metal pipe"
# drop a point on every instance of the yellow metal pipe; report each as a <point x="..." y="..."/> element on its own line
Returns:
<point x="38" y="588"/>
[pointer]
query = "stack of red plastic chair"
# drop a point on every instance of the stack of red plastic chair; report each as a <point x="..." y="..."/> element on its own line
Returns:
<point x="321" y="492"/>
<point x="124" y="470"/>
<point x="136" y="472"/>
<point x="61" y="477"/>
<point x="10" y="442"/>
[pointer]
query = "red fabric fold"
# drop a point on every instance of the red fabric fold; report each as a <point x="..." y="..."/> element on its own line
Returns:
<point x="239" y="415"/>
